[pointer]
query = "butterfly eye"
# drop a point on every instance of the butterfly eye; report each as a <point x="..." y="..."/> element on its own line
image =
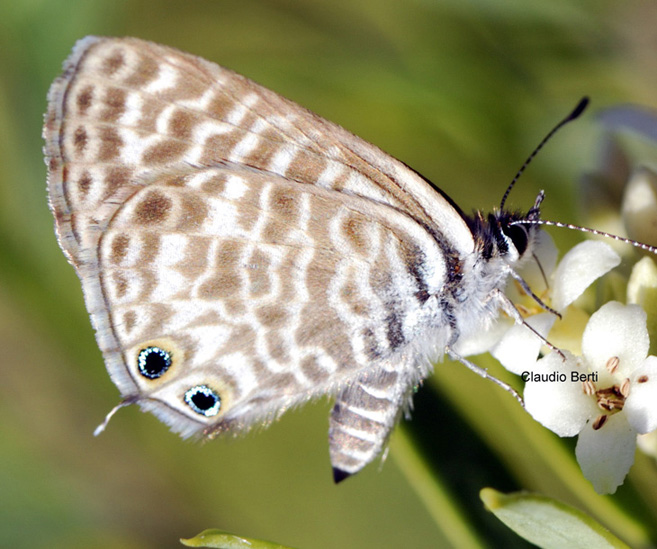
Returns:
<point x="153" y="362"/>
<point x="203" y="400"/>
<point x="519" y="237"/>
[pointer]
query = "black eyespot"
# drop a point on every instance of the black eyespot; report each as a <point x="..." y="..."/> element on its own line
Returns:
<point x="153" y="362"/>
<point x="519" y="237"/>
<point x="203" y="400"/>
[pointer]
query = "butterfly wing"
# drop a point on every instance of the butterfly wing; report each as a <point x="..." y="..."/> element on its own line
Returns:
<point x="126" y="110"/>
<point x="263" y="289"/>
<point x="247" y="251"/>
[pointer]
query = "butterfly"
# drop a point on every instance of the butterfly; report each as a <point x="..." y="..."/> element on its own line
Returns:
<point x="239" y="255"/>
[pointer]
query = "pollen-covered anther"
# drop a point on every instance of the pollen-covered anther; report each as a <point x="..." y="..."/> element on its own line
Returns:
<point x="625" y="388"/>
<point x="600" y="421"/>
<point x="588" y="387"/>
<point x="611" y="398"/>
<point x="612" y="364"/>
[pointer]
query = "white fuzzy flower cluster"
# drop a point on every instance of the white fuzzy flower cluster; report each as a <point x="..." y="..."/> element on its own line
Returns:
<point x="606" y="393"/>
<point x="601" y="383"/>
<point x="603" y="387"/>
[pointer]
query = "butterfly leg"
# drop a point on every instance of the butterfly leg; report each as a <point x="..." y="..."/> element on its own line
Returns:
<point x="510" y="309"/>
<point x="363" y="417"/>
<point x="484" y="373"/>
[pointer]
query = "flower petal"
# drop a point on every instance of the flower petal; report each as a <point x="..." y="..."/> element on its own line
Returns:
<point x="545" y="255"/>
<point x="648" y="444"/>
<point x="639" y="206"/>
<point x="616" y="330"/>
<point x="606" y="455"/>
<point x="639" y="120"/>
<point x="641" y="404"/>
<point x="579" y="268"/>
<point x="643" y="282"/>
<point x="519" y="347"/>
<point x="642" y="290"/>
<point x="484" y="340"/>
<point x="558" y="404"/>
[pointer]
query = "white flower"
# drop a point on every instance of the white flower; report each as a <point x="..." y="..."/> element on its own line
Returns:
<point x="518" y="348"/>
<point x="606" y="396"/>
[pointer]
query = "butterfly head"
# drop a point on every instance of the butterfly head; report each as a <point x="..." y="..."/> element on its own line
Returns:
<point x="514" y="238"/>
<point x="502" y="234"/>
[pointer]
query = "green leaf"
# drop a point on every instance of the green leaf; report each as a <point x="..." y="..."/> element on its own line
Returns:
<point x="546" y="522"/>
<point x="224" y="540"/>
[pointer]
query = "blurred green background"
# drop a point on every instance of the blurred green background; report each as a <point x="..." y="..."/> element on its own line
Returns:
<point x="461" y="91"/>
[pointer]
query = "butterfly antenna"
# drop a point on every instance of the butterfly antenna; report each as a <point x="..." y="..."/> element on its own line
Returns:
<point x="636" y="244"/>
<point x="579" y="109"/>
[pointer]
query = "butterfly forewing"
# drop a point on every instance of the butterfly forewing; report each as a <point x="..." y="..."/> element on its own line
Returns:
<point x="239" y="254"/>
<point x="125" y="110"/>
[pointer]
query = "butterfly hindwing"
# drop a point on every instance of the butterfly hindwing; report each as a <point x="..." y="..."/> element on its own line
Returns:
<point x="269" y="291"/>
